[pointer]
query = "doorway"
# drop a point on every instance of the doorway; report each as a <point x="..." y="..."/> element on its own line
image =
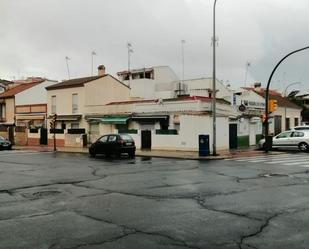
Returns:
<point x="233" y="136"/>
<point x="146" y="140"/>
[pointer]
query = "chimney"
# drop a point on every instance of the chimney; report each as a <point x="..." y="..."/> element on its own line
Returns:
<point x="257" y="86"/>
<point x="101" y="70"/>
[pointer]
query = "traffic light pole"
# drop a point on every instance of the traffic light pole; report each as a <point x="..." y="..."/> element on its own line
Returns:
<point x="54" y="126"/>
<point x="266" y="132"/>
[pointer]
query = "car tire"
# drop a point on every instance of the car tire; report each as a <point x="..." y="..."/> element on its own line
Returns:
<point x="132" y="154"/>
<point x="304" y="147"/>
<point x="92" y="153"/>
<point x="118" y="154"/>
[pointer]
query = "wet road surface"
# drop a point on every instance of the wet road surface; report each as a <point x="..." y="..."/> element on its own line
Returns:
<point x="66" y="200"/>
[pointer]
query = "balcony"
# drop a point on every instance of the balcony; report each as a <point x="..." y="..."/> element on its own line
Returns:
<point x="2" y="120"/>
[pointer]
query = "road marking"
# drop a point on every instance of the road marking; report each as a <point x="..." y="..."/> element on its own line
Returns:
<point x="21" y="153"/>
<point x="300" y="160"/>
<point x="292" y="160"/>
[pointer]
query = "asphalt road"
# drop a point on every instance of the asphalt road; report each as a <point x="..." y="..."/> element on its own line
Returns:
<point x="68" y="200"/>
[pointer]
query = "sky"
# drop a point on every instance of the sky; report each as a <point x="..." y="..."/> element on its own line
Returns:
<point x="37" y="35"/>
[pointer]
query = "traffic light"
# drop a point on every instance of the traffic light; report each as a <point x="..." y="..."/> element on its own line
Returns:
<point x="54" y="118"/>
<point x="53" y="121"/>
<point x="52" y="124"/>
<point x="272" y="105"/>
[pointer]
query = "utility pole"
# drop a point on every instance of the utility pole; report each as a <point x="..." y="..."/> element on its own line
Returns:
<point x="67" y="62"/>
<point x="214" y="40"/>
<point x="93" y="53"/>
<point x="183" y="60"/>
<point x="130" y="51"/>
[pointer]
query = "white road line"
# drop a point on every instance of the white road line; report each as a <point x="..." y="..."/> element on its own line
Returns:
<point x="254" y="159"/>
<point x="288" y="161"/>
<point x="22" y="153"/>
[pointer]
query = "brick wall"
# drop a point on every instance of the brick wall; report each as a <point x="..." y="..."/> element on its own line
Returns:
<point x="59" y="142"/>
<point x="21" y="138"/>
<point x="33" y="141"/>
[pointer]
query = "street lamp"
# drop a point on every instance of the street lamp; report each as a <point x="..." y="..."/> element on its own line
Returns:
<point x="294" y="83"/>
<point x="214" y="152"/>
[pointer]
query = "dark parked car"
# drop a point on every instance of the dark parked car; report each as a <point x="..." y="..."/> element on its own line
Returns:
<point x="113" y="144"/>
<point x="5" y="144"/>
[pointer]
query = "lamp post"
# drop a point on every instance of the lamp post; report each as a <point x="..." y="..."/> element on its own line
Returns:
<point x="214" y="152"/>
<point x="294" y="83"/>
<point x="267" y="95"/>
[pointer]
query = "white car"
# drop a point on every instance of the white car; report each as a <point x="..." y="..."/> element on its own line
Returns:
<point x="293" y="139"/>
<point x="301" y="127"/>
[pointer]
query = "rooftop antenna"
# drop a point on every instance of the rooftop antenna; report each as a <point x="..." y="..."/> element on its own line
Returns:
<point x="248" y="64"/>
<point x="93" y="53"/>
<point x="183" y="59"/>
<point x="67" y="62"/>
<point x="130" y="51"/>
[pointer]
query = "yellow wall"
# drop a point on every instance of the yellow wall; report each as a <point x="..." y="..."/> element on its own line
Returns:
<point x="102" y="91"/>
<point x="9" y="110"/>
<point x="64" y="100"/>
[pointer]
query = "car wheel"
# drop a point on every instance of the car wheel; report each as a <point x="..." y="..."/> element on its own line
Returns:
<point x="304" y="147"/>
<point x="132" y="154"/>
<point x="117" y="154"/>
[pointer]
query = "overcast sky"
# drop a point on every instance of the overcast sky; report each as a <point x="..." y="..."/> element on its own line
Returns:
<point x="37" y="35"/>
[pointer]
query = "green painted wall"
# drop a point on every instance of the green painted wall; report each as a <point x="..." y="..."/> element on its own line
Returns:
<point x="258" y="137"/>
<point x="243" y="141"/>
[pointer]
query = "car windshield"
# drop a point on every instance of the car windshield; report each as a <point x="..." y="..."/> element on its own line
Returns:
<point x="2" y="138"/>
<point x="126" y="137"/>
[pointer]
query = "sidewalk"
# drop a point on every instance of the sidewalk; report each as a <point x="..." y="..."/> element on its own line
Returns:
<point x="189" y="155"/>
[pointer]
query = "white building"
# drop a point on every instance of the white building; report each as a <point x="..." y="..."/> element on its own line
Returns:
<point x="150" y="83"/>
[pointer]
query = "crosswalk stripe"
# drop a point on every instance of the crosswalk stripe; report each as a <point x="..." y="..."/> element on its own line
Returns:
<point x="300" y="160"/>
<point x="256" y="159"/>
<point x="287" y="161"/>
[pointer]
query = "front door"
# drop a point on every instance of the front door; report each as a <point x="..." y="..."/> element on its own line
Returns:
<point x="43" y="136"/>
<point x="146" y="139"/>
<point x="233" y="136"/>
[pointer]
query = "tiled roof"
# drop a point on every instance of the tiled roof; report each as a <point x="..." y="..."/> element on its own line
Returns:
<point x="73" y="83"/>
<point x="17" y="89"/>
<point x="281" y="101"/>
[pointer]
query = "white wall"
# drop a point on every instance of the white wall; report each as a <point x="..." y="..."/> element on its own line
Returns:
<point x="143" y="88"/>
<point x="191" y="126"/>
<point x="199" y="87"/>
<point x="34" y="95"/>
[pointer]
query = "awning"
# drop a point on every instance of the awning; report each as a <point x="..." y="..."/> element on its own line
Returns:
<point x="30" y="117"/>
<point x="151" y="118"/>
<point x="110" y="120"/>
<point x="67" y="117"/>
